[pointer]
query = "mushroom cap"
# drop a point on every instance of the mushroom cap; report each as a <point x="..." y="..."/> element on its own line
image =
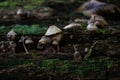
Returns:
<point x="28" y="41"/>
<point x="72" y="26"/>
<point x="45" y="40"/>
<point x="97" y="20"/>
<point x="53" y="30"/>
<point x="11" y="34"/>
<point x="91" y="27"/>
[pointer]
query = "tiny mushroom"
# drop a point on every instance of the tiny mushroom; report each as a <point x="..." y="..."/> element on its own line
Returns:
<point x="22" y="39"/>
<point x="12" y="46"/>
<point x="92" y="27"/>
<point x="44" y="40"/>
<point x="77" y="55"/>
<point x="73" y="26"/>
<point x="28" y="40"/>
<point x="11" y="35"/>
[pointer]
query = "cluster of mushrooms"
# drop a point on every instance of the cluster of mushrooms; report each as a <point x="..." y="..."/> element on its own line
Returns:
<point x="54" y="34"/>
<point x="9" y="44"/>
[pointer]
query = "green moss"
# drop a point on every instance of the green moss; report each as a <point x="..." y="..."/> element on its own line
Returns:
<point x="25" y="29"/>
<point x="4" y="30"/>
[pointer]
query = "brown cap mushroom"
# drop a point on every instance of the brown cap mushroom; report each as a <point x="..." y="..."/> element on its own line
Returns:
<point x="52" y="30"/>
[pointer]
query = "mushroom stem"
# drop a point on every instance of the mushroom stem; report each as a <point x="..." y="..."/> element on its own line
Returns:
<point x="90" y="50"/>
<point x="26" y="50"/>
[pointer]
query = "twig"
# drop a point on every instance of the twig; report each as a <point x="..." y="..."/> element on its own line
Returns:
<point x="90" y="50"/>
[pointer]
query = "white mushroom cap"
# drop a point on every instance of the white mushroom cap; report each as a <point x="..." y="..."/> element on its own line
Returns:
<point x="53" y="30"/>
<point x="11" y="34"/>
<point x="91" y="27"/>
<point x="73" y="25"/>
<point x="28" y="41"/>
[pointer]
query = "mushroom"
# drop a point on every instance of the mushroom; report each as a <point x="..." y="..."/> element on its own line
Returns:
<point x="22" y="39"/>
<point x="52" y="36"/>
<point x="44" y="41"/>
<point x="92" y="27"/>
<point x="12" y="46"/>
<point x="56" y="40"/>
<point x="77" y="55"/>
<point x="2" y="46"/>
<point x="28" y="41"/>
<point x="11" y="35"/>
<point x="56" y="34"/>
<point x="73" y="26"/>
<point x="97" y="20"/>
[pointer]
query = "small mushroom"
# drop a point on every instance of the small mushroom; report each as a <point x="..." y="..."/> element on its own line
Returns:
<point x="28" y="41"/>
<point x="52" y="36"/>
<point x="73" y="26"/>
<point x="11" y="35"/>
<point x="22" y="39"/>
<point x="92" y="27"/>
<point x="77" y="55"/>
<point x="12" y="46"/>
<point x="44" y="40"/>
<point x="56" y="40"/>
<point x="98" y="20"/>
